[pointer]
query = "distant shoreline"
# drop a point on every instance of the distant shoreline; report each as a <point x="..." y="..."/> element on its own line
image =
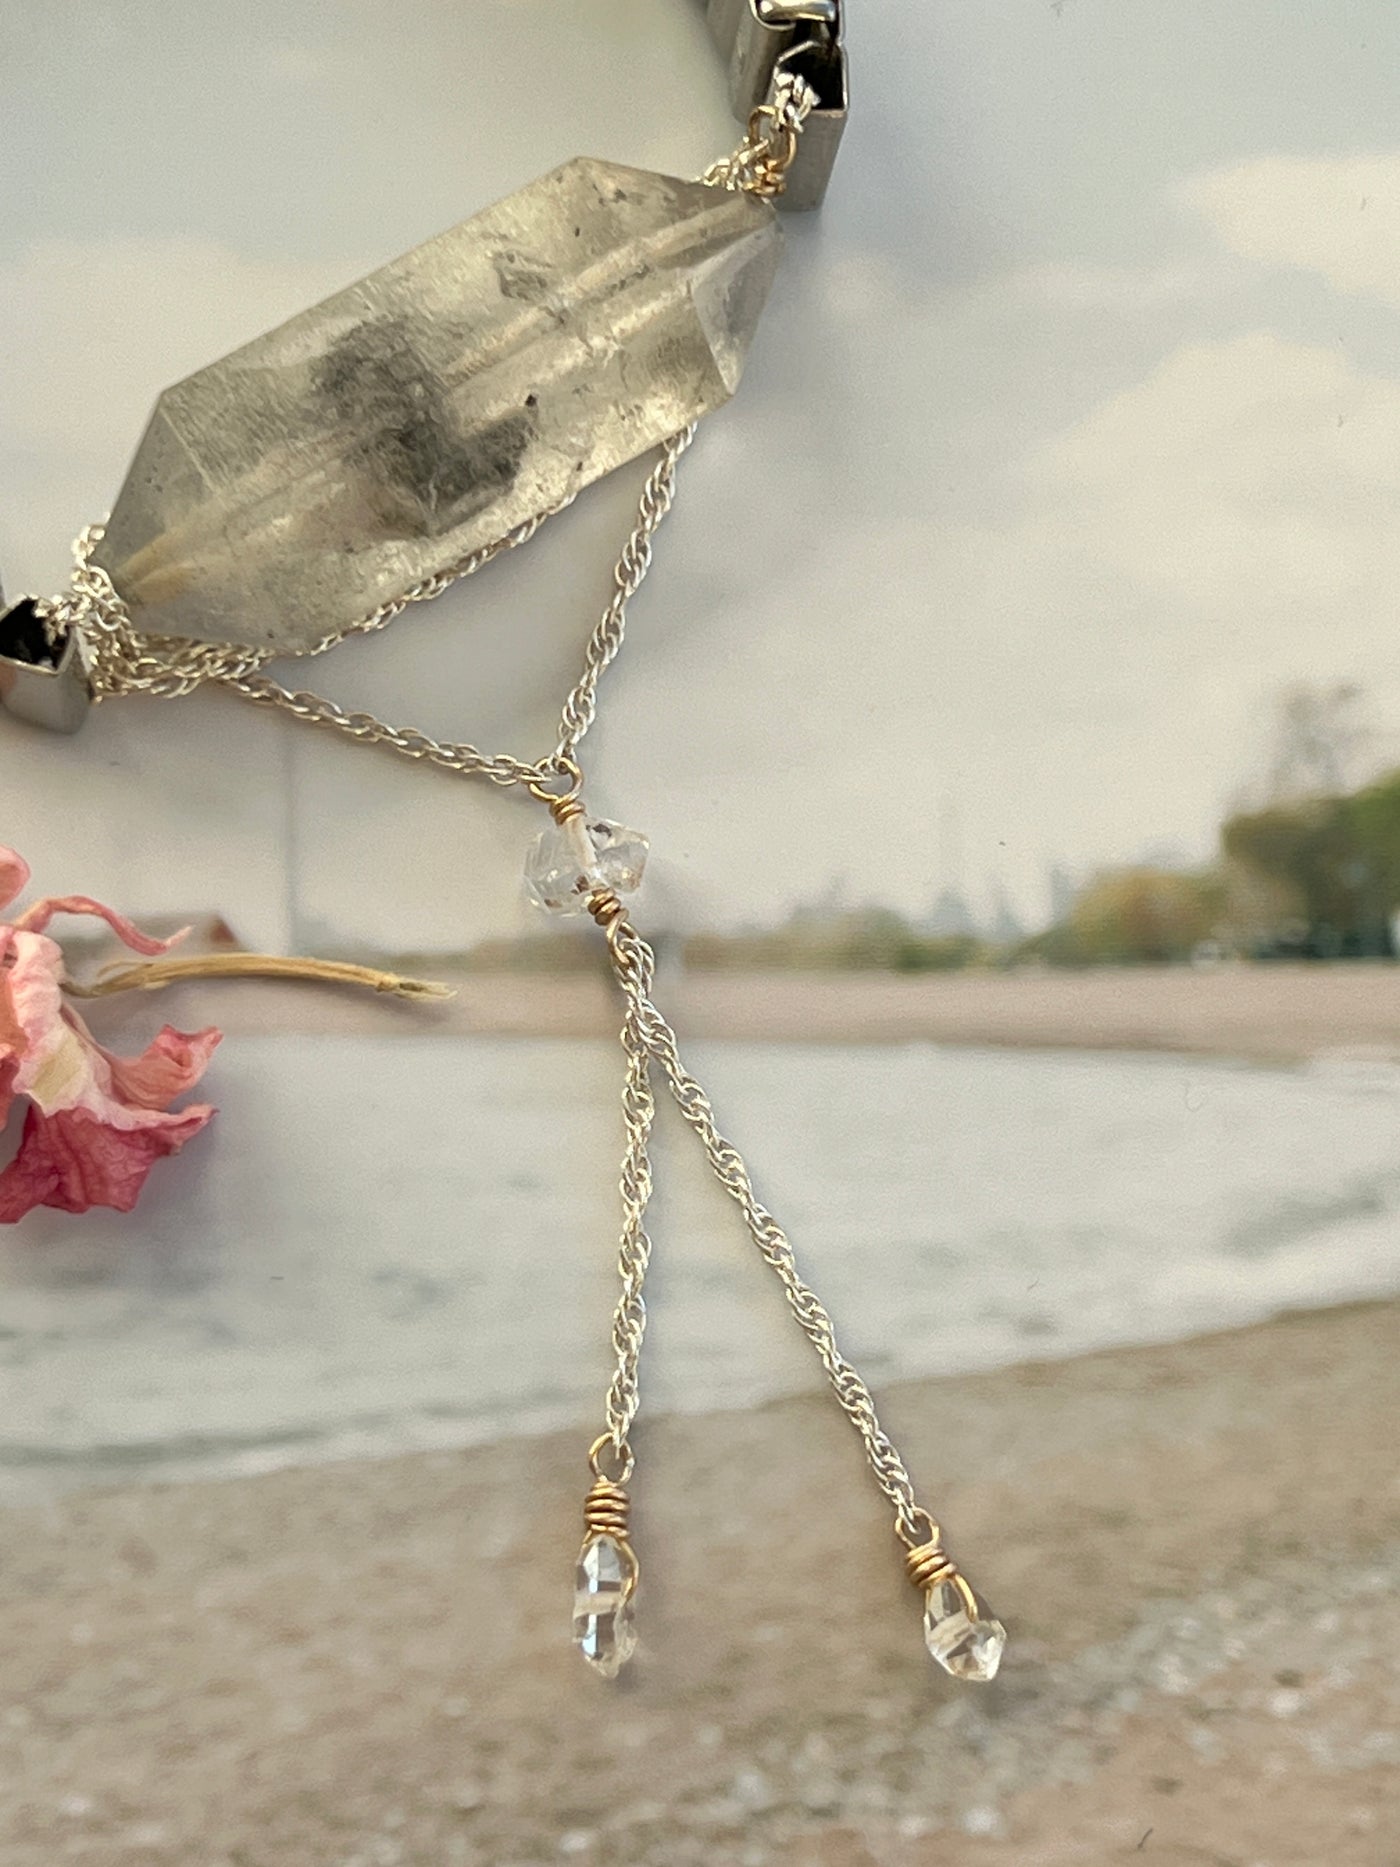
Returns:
<point x="1267" y="1013"/>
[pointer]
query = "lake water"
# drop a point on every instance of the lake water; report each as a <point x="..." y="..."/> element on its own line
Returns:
<point x="394" y="1243"/>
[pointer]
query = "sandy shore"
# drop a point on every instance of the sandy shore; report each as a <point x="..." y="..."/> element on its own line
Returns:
<point x="1272" y="1013"/>
<point x="1197" y="1548"/>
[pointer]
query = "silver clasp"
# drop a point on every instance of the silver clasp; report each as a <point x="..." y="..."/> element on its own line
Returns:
<point x="761" y="40"/>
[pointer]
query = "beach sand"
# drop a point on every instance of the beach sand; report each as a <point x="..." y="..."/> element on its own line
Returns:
<point x="1275" y="1013"/>
<point x="1196" y="1548"/>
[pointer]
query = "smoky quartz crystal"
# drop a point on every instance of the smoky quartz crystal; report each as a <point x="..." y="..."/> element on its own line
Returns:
<point x="378" y="438"/>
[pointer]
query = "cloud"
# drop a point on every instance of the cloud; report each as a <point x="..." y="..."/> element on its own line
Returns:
<point x="1335" y="216"/>
<point x="1253" y="470"/>
<point x="1249" y="432"/>
<point x="1084" y="668"/>
<point x="1076" y="285"/>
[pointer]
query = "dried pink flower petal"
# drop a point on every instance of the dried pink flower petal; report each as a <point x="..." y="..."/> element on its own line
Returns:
<point x="12" y="1040"/>
<point x="14" y="875"/>
<point x="96" y="1122"/>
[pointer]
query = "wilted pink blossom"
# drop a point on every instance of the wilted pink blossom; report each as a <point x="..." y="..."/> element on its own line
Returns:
<point x="95" y="1123"/>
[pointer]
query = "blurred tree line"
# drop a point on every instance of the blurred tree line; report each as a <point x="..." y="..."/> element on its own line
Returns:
<point x="1309" y="867"/>
<point x="1135" y="915"/>
<point x="871" y="938"/>
<point x="1319" y="878"/>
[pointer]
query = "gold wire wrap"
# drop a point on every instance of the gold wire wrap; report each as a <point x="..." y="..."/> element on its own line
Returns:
<point x="929" y="1564"/>
<point x="607" y="1510"/>
<point x="605" y="907"/>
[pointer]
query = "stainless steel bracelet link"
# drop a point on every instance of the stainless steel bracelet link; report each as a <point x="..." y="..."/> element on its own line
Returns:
<point x="43" y="681"/>
<point x="763" y="40"/>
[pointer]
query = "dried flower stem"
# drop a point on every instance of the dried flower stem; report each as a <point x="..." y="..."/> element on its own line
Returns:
<point x="153" y="974"/>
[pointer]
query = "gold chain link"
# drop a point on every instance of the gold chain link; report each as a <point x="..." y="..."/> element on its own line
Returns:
<point x="760" y="164"/>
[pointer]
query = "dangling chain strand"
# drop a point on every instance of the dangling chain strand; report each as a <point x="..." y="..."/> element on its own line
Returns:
<point x="634" y="965"/>
<point x="959" y="1630"/>
<point x="634" y="1249"/>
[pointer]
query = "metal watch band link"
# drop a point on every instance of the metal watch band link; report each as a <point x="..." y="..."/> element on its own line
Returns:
<point x="760" y="41"/>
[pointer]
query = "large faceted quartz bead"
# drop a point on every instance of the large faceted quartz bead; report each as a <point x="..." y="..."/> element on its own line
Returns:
<point x="570" y="861"/>
<point x="967" y="1646"/>
<point x="377" y="439"/>
<point x="604" y="1631"/>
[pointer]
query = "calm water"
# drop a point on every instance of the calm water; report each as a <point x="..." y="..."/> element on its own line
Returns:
<point x="398" y="1243"/>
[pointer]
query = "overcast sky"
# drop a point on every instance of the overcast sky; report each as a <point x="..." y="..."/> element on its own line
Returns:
<point x="1072" y="434"/>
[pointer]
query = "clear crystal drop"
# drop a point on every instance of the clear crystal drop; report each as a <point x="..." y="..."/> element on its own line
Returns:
<point x="568" y="861"/>
<point x="966" y="1647"/>
<point x="604" y="1631"/>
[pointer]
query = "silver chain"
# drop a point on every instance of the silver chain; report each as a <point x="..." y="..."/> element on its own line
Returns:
<point x="123" y="660"/>
<point x="634" y="963"/>
<point x="581" y="707"/>
<point x="634" y="1250"/>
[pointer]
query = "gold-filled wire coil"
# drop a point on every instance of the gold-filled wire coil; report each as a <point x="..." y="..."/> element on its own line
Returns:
<point x="565" y="809"/>
<point x="607" y="1510"/>
<point x="929" y="1564"/>
<point x="605" y="907"/>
